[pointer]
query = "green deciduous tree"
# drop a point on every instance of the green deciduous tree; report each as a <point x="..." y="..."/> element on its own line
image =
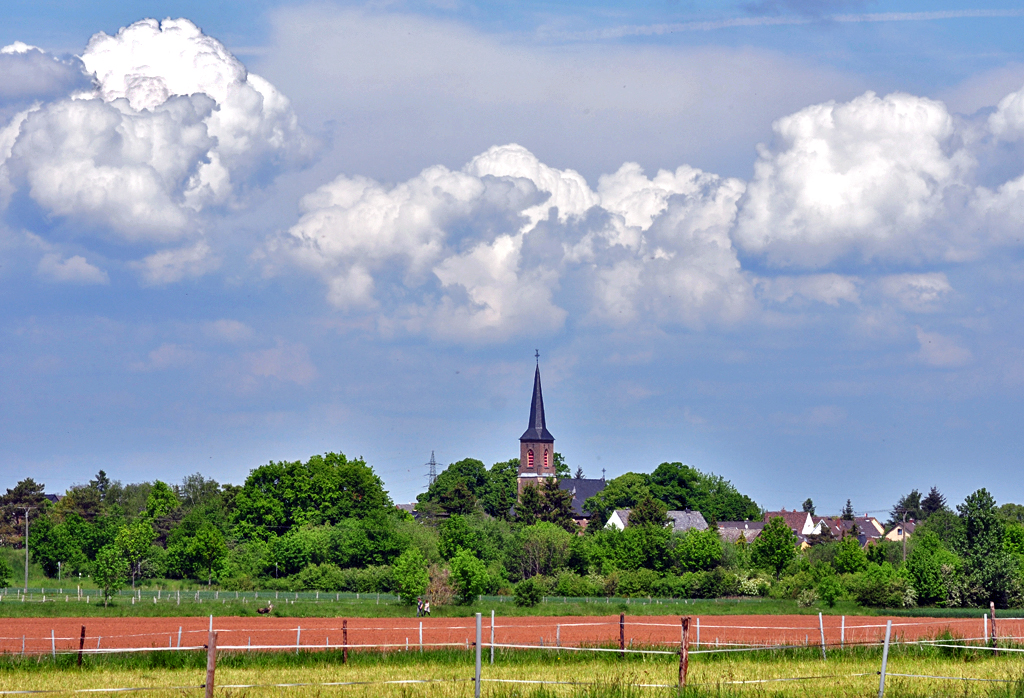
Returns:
<point x="684" y="487"/>
<point x="809" y="506"/>
<point x="989" y="568"/>
<point x="110" y="571"/>
<point x="849" y="556"/>
<point x="204" y="551"/>
<point x="930" y="565"/>
<point x="133" y="541"/>
<point x="499" y="496"/>
<point x="161" y="501"/>
<point x="6" y="573"/>
<point x="411" y="575"/>
<point x="775" y="547"/>
<point x="697" y="550"/>
<point x="455" y="535"/>
<point x="622" y="492"/>
<point x="468" y="576"/>
<point x="323" y="490"/>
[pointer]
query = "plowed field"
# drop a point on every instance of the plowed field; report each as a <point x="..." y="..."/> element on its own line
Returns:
<point x="111" y="633"/>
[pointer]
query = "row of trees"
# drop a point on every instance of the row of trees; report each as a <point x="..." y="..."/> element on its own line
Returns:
<point x="328" y="524"/>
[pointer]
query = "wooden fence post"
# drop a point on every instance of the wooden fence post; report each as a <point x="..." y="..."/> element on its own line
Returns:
<point x="684" y="652"/>
<point x="81" y="646"/>
<point x="622" y="634"/>
<point x="995" y="636"/>
<point x="211" y="663"/>
<point x="344" y="641"/>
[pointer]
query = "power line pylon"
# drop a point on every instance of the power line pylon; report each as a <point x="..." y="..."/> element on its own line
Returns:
<point x="432" y="473"/>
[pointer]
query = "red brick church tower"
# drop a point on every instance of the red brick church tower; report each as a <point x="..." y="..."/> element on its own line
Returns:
<point x="536" y="445"/>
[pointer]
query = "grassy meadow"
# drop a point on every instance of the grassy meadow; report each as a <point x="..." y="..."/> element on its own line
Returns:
<point x="582" y="674"/>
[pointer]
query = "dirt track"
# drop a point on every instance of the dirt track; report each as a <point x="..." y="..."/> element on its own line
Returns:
<point x="111" y="633"/>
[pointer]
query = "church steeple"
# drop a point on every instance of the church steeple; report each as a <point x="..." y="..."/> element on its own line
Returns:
<point x="536" y="445"/>
<point x="538" y="429"/>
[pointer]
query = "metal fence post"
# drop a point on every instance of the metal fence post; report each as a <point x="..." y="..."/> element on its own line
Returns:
<point x="821" y="627"/>
<point x="492" y="636"/>
<point x="479" y="643"/>
<point x="53" y="644"/>
<point x="885" y="659"/>
<point x="179" y="637"/>
<point x="698" y="632"/>
<point x="421" y="637"/>
<point x="842" y="633"/>
<point x="298" y="637"/>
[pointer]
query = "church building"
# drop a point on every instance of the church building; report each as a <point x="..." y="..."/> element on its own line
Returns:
<point x="537" y="458"/>
<point x="536" y="445"/>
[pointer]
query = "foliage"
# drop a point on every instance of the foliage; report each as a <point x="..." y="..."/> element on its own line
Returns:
<point x="622" y="492"/>
<point x="110" y="571"/>
<point x="648" y="512"/>
<point x="324" y="490"/>
<point x="683" y="487"/>
<point x="455" y="535"/>
<point x="847" y="514"/>
<point x="540" y="549"/>
<point x="775" y="547"/>
<point x="697" y="550"/>
<point x="6" y="573"/>
<point x="500" y="491"/>
<point x="556" y="505"/>
<point x="883" y="586"/>
<point x="830" y="590"/>
<point x="927" y="559"/>
<point x="908" y="508"/>
<point x="849" y="556"/>
<point x="468" y="576"/>
<point x="411" y="576"/>
<point x="528" y="592"/>
<point x="932" y="503"/>
<point x="133" y="542"/>
<point x="987" y="565"/>
<point x="161" y="501"/>
<point x="808" y="506"/>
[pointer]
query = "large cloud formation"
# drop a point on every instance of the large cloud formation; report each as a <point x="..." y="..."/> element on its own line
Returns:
<point x="485" y="249"/>
<point x="848" y="194"/>
<point x="173" y="126"/>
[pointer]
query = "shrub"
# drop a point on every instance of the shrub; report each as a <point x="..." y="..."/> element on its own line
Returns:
<point x="884" y="587"/>
<point x="468" y="575"/>
<point x="572" y="584"/>
<point x="849" y="556"/>
<point x="636" y="583"/>
<point x="528" y="592"/>
<point x="830" y="589"/>
<point x="807" y="597"/>
<point x="754" y="586"/>
<point x="411" y="576"/>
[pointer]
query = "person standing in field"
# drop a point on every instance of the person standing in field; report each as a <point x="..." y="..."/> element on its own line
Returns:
<point x="426" y="607"/>
<point x="419" y="607"/>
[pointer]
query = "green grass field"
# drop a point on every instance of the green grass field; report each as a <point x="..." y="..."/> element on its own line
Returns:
<point x="580" y="674"/>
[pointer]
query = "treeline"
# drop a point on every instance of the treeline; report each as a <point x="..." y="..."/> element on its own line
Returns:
<point x="328" y="524"/>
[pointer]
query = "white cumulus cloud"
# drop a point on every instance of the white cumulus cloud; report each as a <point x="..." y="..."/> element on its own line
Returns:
<point x="508" y="243"/>
<point x="867" y="178"/>
<point x="174" y="126"/>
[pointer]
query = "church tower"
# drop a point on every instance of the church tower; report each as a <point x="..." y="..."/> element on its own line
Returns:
<point x="536" y="445"/>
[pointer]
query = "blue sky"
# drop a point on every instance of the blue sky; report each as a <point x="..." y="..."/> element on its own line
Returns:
<point x="277" y="229"/>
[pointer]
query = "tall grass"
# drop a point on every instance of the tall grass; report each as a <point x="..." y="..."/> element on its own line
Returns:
<point x="605" y="675"/>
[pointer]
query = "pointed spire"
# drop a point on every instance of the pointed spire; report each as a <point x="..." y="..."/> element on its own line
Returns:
<point x="538" y="429"/>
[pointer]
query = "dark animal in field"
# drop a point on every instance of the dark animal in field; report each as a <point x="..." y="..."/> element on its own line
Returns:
<point x="268" y="609"/>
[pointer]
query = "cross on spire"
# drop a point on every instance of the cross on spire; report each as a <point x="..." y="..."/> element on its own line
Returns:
<point x="536" y="355"/>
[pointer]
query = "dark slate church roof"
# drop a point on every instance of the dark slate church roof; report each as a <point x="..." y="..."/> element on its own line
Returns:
<point x="582" y="489"/>
<point x="538" y="429"/>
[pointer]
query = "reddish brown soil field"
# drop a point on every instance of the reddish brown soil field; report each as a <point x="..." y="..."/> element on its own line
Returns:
<point x="110" y="633"/>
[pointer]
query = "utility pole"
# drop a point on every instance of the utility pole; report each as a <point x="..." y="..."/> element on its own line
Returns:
<point x="27" y="510"/>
